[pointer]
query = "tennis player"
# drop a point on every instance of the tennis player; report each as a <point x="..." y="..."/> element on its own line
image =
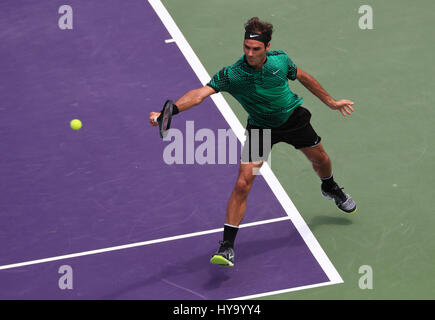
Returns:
<point x="259" y="81"/>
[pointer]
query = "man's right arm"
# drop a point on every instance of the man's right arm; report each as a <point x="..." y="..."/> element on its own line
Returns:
<point x="187" y="101"/>
<point x="194" y="97"/>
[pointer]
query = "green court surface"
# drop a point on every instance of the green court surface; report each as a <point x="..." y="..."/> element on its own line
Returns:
<point x="381" y="154"/>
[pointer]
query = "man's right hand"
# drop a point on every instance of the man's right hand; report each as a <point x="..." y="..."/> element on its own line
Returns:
<point x="190" y="99"/>
<point x="154" y="115"/>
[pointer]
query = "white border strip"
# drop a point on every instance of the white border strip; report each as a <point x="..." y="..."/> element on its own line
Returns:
<point x="239" y="130"/>
<point x="136" y="244"/>
<point x="322" y="284"/>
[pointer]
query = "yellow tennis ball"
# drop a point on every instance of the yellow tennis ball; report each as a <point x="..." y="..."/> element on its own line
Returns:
<point x="76" y="124"/>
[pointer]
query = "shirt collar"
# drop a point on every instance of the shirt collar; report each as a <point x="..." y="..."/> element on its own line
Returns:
<point x="252" y="68"/>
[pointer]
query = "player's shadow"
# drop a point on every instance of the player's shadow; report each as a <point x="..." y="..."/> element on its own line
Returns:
<point x="325" y="220"/>
<point x="252" y="248"/>
<point x="143" y="282"/>
<point x="246" y="250"/>
<point x="216" y="275"/>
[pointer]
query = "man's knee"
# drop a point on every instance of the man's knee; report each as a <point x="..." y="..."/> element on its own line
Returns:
<point x="242" y="186"/>
<point x="246" y="177"/>
<point x="320" y="159"/>
<point x="324" y="158"/>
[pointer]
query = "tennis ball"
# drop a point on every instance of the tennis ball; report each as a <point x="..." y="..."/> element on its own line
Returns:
<point x="76" y="124"/>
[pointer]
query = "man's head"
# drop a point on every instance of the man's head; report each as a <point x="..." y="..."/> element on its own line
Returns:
<point x="257" y="41"/>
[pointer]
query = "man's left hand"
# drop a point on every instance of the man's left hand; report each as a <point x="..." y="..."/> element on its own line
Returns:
<point x="345" y="106"/>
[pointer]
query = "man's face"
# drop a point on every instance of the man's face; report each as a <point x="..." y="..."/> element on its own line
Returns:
<point x="255" y="52"/>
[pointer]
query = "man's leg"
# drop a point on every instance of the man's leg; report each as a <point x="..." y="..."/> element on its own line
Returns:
<point x="235" y="212"/>
<point x="237" y="203"/>
<point x="319" y="159"/>
<point x="330" y="189"/>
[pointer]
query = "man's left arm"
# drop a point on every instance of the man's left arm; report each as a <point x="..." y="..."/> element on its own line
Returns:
<point x="308" y="81"/>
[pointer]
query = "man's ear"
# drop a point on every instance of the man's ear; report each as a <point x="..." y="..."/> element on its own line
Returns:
<point x="268" y="47"/>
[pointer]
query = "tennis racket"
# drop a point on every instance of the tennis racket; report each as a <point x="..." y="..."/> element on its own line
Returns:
<point x="165" y="117"/>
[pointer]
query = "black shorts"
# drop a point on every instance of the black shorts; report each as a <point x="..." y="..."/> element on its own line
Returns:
<point x="297" y="131"/>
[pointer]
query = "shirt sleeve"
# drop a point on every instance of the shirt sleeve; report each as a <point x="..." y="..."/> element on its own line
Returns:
<point x="220" y="81"/>
<point x="291" y="69"/>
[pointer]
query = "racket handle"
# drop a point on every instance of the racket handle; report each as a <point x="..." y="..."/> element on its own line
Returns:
<point x="155" y="120"/>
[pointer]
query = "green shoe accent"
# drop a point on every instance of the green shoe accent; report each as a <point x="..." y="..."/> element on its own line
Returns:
<point x="221" y="261"/>
<point x="354" y="211"/>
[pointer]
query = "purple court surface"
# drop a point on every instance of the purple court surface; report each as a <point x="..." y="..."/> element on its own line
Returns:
<point x="64" y="192"/>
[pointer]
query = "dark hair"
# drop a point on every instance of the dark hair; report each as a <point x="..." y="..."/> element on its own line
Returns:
<point x="256" y="25"/>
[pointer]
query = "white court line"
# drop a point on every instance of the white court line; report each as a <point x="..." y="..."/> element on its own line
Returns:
<point x="169" y="41"/>
<point x="136" y="244"/>
<point x="322" y="284"/>
<point x="239" y="131"/>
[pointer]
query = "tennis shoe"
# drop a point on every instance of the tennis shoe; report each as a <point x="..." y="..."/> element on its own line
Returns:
<point x="224" y="256"/>
<point x="343" y="201"/>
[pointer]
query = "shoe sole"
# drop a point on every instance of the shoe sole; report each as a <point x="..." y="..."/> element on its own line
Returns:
<point x="221" y="261"/>
<point x="330" y="198"/>
<point x="352" y="212"/>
